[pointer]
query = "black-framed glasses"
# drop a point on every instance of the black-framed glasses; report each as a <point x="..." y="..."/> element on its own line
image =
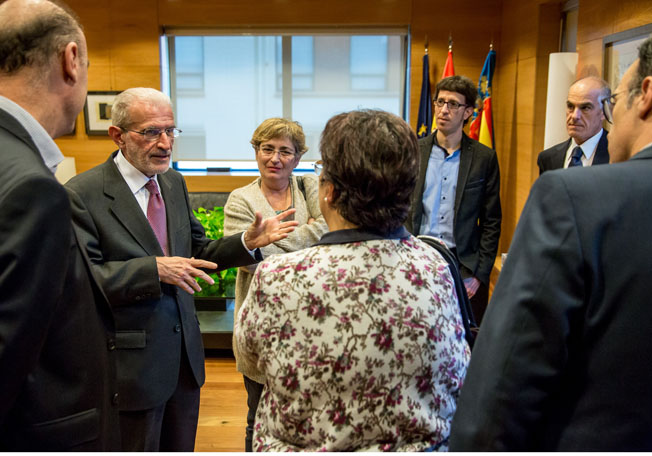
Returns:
<point x="152" y="134"/>
<point x="452" y="104"/>
<point x="284" y="153"/>
<point x="607" y="106"/>
<point x="318" y="166"/>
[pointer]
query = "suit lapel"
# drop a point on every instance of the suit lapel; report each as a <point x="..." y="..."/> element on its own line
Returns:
<point x="559" y="158"/>
<point x="466" y="158"/>
<point x="126" y="209"/>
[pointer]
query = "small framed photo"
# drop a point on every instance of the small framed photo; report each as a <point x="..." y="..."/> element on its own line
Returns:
<point x="97" y="112"/>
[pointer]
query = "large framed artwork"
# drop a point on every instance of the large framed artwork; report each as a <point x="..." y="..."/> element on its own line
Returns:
<point x="97" y="112"/>
<point x="620" y="50"/>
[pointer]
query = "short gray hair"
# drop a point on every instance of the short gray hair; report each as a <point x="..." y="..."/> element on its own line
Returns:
<point x="31" y="37"/>
<point x="120" y="109"/>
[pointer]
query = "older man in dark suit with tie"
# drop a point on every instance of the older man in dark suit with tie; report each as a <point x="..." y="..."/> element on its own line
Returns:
<point x="588" y="143"/>
<point x="562" y="362"/>
<point x="58" y="389"/>
<point x="134" y="219"/>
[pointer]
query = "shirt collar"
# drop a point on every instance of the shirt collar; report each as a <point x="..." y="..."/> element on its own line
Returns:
<point x="358" y="235"/>
<point x="134" y="178"/>
<point x="46" y="146"/>
<point x="588" y="146"/>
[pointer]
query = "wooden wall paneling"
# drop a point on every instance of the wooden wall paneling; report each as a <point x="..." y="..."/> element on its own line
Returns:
<point x="216" y="183"/>
<point x="589" y="61"/>
<point x="630" y="14"/>
<point x="284" y="12"/>
<point x="599" y="18"/>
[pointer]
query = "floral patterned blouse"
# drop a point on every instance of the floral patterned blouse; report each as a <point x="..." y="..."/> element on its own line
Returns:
<point x="361" y="343"/>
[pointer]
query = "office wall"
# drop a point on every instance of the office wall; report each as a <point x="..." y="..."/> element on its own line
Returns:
<point x="123" y="40"/>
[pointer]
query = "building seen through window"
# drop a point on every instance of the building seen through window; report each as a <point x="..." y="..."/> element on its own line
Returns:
<point x="223" y="86"/>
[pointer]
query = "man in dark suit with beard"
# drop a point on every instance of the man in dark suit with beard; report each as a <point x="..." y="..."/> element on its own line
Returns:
<point x="457" y="196"/>
<point x="58" y="388"/>
<point x="562" y="362"/>
<point x="588" y="143"/>
<point x="146" y="246"/>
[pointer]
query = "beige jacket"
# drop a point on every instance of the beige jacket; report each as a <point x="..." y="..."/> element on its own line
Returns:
<point x="239" y="213"/>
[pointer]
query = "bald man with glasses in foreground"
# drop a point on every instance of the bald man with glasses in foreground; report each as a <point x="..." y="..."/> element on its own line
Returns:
<point x="457" y="196"/>
<point x="133" y="217"/>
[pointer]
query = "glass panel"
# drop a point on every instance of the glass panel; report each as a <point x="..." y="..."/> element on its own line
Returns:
<point x="226" y="85"/>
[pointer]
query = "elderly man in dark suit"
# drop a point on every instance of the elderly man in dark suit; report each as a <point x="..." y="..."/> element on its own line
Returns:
<point x="588" y="143"/>
<point x="457" y="196"/>
<point x="58" y="388"/>
<point x="134" y="219"/>
<point x="562" y="362"/>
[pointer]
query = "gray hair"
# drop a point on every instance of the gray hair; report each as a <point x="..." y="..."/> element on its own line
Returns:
<point x="644" y="70"/>
<point x="120" y="109"/>
<point x="31" y="35"/>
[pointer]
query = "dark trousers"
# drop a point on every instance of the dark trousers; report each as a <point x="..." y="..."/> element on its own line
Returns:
<point x="172" y="426"/>
<point x="254" y="391"/>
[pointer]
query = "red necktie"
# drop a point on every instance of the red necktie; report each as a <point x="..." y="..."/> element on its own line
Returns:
<point x="156" y="214"/>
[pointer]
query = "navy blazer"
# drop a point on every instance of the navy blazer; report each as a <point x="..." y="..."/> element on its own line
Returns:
<point x="58" y="389"/>
<point x="154" y="321"/>
<point x="562" y="361"/>
<point x="553" y="157"/>
<point x="477" y="204"/>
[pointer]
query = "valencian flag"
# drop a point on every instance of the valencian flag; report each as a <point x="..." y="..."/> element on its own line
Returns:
<point x="482" y="127"/>
<point x="424" y="121"/>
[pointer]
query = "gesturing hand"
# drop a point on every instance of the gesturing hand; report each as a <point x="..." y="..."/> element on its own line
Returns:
<point x="181" y="272"/>
<point x="264" y="232"/>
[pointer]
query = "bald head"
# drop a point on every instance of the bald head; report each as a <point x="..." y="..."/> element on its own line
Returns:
<point x="33" y="32"/>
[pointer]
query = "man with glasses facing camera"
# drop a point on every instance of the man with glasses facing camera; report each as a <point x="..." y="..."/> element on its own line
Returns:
<point x="133" y="217"/>
<point x="585" y="110"/>
<point x="457" y="196"/>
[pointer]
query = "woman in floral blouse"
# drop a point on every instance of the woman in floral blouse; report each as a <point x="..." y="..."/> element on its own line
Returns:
<point x="359" y="337"/>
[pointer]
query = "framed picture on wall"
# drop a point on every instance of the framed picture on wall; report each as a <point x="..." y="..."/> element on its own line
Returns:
<point x="97" y="112"/>
<point x="620" y="50"/>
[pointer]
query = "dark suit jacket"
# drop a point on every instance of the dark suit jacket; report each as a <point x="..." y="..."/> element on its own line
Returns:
<point x="477" y="205"/>
<point x="154" y="321"/>
<point x="57" y="372"/>
<point x="553" y="158"/>
<point x="562" y="361"/>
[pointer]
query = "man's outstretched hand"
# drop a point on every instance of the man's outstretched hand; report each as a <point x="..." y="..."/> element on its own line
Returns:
<point x="264" y="232"/>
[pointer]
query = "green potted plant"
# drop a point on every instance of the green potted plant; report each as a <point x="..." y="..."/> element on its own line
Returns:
<point x="224" y="287"/>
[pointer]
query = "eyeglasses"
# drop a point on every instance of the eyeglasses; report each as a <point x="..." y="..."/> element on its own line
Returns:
<point x="452" y="104"/>
<point x="152" y="134"/>
<point x="319" y="166"/>
<point x="284" y="153"/>
<point x="607" y="106"/>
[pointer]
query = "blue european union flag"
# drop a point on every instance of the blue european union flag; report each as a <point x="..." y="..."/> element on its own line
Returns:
<point x="424" y="120"/>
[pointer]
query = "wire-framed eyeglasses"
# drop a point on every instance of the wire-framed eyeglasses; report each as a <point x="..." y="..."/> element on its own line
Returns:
<point x="152" y="134"/>
<point x="284" y="153"/>
<point x="452" y="104"/>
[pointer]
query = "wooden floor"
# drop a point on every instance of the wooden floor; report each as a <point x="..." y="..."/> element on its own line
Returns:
<point x="223" y="407"/>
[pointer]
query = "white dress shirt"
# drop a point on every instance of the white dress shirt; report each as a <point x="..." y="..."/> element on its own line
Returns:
<point x="588" y="150"/>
